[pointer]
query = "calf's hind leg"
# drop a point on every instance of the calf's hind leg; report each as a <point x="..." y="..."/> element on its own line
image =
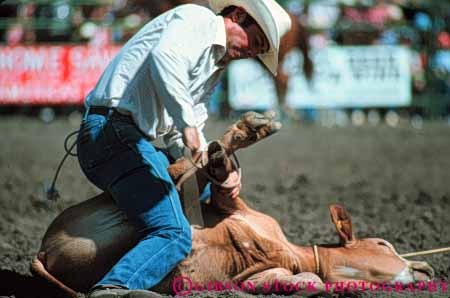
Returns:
<point x="283" y="281"/>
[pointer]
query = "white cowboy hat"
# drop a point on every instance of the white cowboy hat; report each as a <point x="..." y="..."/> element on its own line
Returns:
<point x="270" y="16"/>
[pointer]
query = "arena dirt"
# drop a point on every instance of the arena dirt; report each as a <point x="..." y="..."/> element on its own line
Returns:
<point x="395" y="182"/>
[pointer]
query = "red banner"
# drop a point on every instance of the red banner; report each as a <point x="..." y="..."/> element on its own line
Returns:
<point x="50" y="75"/>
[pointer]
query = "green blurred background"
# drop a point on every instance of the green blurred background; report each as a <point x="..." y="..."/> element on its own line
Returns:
<point x="421" y="25"/>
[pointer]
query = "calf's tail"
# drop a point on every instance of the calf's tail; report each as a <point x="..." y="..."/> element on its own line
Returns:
<point x="37" y="268"/>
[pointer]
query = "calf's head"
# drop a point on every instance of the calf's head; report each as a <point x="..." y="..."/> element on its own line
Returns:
<point x="368" y="259"/>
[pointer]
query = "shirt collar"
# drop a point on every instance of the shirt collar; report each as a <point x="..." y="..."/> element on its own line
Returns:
<point x="220" y="36"/>
<point x="220" y="41"/>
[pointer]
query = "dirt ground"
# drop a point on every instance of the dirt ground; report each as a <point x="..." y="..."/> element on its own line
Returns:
<point x="394" y="181"/>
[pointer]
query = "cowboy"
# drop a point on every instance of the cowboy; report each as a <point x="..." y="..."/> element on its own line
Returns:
<point x="156" y="87"/>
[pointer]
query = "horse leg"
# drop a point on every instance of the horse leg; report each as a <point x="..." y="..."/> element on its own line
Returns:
<point x="283" y="281"/>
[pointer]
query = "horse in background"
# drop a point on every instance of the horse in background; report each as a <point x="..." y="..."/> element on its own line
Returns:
<point x="297" y="37"/>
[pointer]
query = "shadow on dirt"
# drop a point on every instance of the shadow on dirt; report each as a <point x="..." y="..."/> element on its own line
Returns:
<point x="17" y="285"/>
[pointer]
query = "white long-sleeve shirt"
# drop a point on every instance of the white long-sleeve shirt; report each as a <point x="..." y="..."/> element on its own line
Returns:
<point x="165" y="73"/>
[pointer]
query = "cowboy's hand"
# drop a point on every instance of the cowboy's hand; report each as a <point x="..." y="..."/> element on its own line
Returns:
<point x="191" y="139"/>
<point x="232" y="193"/>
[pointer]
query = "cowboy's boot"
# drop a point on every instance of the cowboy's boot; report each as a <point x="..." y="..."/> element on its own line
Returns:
<point x="117" y="292"/>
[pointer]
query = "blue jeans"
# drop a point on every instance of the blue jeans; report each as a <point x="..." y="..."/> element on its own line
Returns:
<point x="117" y="158"/>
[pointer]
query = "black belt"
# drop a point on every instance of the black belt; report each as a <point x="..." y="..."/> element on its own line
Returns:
<point x="104" y="111"/>
<point x="110" y="112"/>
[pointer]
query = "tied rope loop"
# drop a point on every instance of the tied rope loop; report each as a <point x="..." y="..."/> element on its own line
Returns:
<point x="51" y="192"/>
<point x="203" y="160"/>
<point x="316" y="259"/>
<point x="202" y="164"/>
<point x="227" y="184"/>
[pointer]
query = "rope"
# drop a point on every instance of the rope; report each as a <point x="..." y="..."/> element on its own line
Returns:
<point x="316" y="260"/>
<point x="51" y="192"/>
<point x="426" y="252"/>
<point x="226" y="184"/>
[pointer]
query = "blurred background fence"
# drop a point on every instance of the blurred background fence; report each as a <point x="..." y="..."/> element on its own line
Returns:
<point x="387" y="58"/>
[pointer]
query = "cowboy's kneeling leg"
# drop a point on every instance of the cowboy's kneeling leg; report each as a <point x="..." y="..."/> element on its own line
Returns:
<point x="148" y="197"/>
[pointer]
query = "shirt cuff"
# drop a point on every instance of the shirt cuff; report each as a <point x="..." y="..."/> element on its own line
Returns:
<point x="176" y="146"/>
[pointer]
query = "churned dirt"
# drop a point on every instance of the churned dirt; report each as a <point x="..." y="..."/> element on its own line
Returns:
<point x="395" y="182"/>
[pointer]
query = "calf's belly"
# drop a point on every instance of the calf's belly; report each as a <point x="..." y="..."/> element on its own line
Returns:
<point x="85" y="241"/>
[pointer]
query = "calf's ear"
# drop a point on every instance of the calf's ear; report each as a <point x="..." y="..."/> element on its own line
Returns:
<point x="343" y="223"/>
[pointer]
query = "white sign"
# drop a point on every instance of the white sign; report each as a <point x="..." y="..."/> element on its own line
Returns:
<point x="344" y="77"/>
<point x="250" y="86"/>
